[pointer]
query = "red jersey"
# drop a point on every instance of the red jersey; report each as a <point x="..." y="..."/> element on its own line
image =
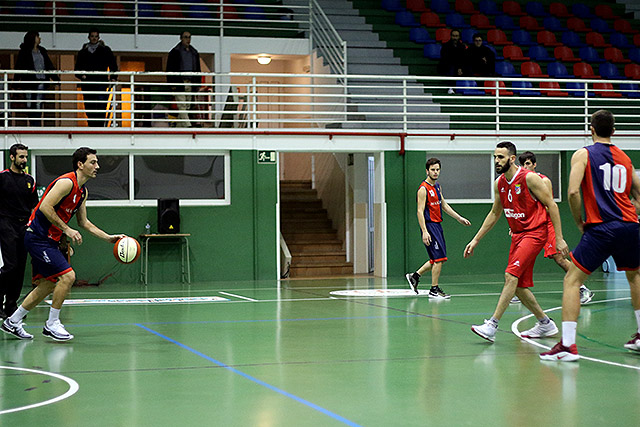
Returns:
<point x="523" y="211"/>
<point x="65" y="209"/>
<point x="433" y="204"/>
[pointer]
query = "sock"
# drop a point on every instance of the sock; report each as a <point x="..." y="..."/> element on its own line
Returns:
<point x="569" y="333"/>
<point x="494" y="321"/>
<point x="638" y="319"/>
<point x="544" y="321"/>
<point x="54" y="314"/>
<point x="18" y="315"/>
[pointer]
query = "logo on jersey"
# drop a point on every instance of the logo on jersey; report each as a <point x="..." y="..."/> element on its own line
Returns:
<point x="517" y="263"/>
<point x="74" y="198"/>
<point x="510" y="213"/>
<point x="518" y="188"/>
<point x="432" y="193"/>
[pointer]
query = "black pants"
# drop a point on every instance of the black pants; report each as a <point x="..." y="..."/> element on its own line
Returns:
<point x="95" y="104"/>
<point x="14" y="256"/>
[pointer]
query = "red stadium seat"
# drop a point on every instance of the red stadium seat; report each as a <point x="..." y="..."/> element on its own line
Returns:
<point x="532" y="69"/>
<point x="417" y="6"/>
<point x="228" y="12"/>
<point x="605" y="90"/>
<point x="431" y="19"/>
<point x="497" y="37"/>
<point x="615" y="55"/>
<point x="443" y="35"/>
<point x="490" y="88"/>
<point x="514" y="53"/>
<point x="552" y="89"/>
<point x="559" y="10"/>
<point x="623" y="26"/>
<point x="113" y="9"/>
<point x="604" y="11"/>
<point x="565" y="54"/>
<point x="632" y="71"/>
<point x="596" y="40"/>
<point x="61" y="8"/>
<point x="465" y="7"/>
<point x="171" y="11"/>
<point x="584" y="71"/>
<point x="547" y="38"/>
<point x="530" y="23"/>
<point x="576" y="24"/>
<point x="512" y="8"/>
<point x="480" y="22"/>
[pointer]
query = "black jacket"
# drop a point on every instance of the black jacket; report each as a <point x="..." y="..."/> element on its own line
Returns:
<point x="173" y="65"/>
<point x="25" y="62"/>
<point x="102" y="59"/>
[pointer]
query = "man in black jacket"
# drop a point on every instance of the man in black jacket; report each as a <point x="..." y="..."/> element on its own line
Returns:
<point x="481" y="59"/>
<point x="184" y="58"/>
<point x="96" y="56"/>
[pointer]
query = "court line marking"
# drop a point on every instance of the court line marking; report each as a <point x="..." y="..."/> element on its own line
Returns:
<point x="73" y="388"/>
<point x="238" y="296"/>
<point x="514" y="329"/>
<point x="254" y="379"/>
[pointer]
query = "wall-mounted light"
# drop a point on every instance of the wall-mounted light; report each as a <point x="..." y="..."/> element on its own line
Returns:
<point x="264" y="59"/>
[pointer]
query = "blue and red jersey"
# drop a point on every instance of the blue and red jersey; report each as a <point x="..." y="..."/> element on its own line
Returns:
<point x="433" y="203"/>
<point x="65" y="209"/>
<point x="607" y="184"/>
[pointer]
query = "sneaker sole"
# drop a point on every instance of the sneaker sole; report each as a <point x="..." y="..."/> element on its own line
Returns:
<point x="7" y="331"/>
<point x="407" y="276"/>
<point x="560" y="357"/>
<point x="439" y="297"/>
<point x="549" y="334"/>
<point x="632" y="347"/>
<point x="490" y="339"/>
<point x="588" y="300"/>
<point x="49" y="334"/>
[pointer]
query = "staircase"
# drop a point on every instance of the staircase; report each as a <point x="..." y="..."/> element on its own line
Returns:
<point x="315" y="247"/>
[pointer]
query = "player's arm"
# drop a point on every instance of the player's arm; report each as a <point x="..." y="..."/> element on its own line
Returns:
<point x="60" y="189"/>
<point x="490" y="220"/>
<point x="541" y="191"/>
<point x="578" y="168"/>
<point x="83" y="222"/>
<point x="422" y="205"/>
<point x="451" y="212"/>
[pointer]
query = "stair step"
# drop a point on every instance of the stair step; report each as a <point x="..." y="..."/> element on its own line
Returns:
<point x="318" y="271"/>
<point x="304" y="236"/>
<point x="315" y="247"/>
<point x="295" y="183"/>
<point x="319" y="258"/>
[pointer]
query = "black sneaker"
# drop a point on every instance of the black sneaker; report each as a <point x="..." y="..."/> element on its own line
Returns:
<point x="413" y="282"/>
<point x="437" y="293"/>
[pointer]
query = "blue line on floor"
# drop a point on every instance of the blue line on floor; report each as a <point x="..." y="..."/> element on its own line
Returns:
<point x="257" y="381"/>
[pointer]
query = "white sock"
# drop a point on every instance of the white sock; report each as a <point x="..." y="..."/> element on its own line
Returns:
<point x="638" y="319"/>
<point x="569" y="333"/>
<point x="54" y="314"/>
<point x="18" y="315"/>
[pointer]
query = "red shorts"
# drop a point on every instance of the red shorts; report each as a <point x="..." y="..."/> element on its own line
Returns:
<point x="525" y="247"/>
<point x="550" y="247"/>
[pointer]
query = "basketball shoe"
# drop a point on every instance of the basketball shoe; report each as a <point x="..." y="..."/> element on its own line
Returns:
<point x="586" y="295"/>
<point x="540" y="331"/>
<point x="486" y="331"/>
<point x="634" y="343"/>
<point x="514" y="300"/>
<point x="56" y="331"/>
<point x="560" y="353"/>
<point x="15" y="329"/>
<point x="413" y="281"/>
<point x="436" y="293"/>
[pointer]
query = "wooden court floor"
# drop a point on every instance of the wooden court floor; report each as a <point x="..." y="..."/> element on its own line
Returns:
<point x="260" y="354"/>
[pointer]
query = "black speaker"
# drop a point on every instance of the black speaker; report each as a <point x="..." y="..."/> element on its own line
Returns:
<point x="168" y="216"/>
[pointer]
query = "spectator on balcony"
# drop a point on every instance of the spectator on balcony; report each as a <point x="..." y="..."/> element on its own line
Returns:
<point x="184" y="58"/>
<point x="453" y="57"/>
<point x="33" y="57"/>
<point x="96" y="56"/>
<point x="481" y="61"/>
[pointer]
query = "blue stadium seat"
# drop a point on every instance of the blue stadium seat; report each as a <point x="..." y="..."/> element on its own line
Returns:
<point x="558" y="70"/>
<point x="581" y="10"/>
<point x="199" y="11"/>
<point x="489" y="7"/>
<point x="610" y="72"/>
<point x="85" y="8"/>
<point x="553" y="24"/>
<point x="456" y="20"/>
<point x="404" y="18"/>
<point x="506" y="69"/>
<point x="505" y="22"/>
<point x="441" y="6"/>
<point x="432" y="50"/>
<point x="392" y="5"/>
<point x="522" y="38"/>
<point x="467" y="35"/>
<point x="589" y="55"/>
<point x="634" y="55"/>
<point x="574" y="89"/>
<point x="630" y="90"/>
<point x="254" y="13"/>
<point x="522" y="88"/>
<point x="599" y="25"/>
<point x="620" y="41"/>
<point x="145" y="10"/>
<point x="24" y="7"/>
<point x="539" y="53"/>
<point x="420" y="35"/>
<point x="571" y="39"/>
<point x="535" y="8"/>
<point x="499" y="57"/>
<point x="468" y="87"/>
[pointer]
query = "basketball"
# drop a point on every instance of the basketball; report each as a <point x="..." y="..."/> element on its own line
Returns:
<point x="126" y="250"/>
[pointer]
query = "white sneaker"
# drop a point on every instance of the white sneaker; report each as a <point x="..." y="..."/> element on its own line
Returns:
<point x="634" y="343"/>
<point x="15" y="329"/>
<point x="540" y="331"/>
<point x="56" y="331"/>
<point x="586" y="295"/>
<point x="486" y="331"/>
<point x="514" y="300"/>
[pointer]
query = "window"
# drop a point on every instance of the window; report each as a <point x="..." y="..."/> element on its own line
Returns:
<point x="465" y="177"/>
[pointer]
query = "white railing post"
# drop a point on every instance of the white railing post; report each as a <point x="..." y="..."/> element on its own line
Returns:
<point x="53" y="22"/>
<point x="131" y="108"/>
<point x="404" y="105"/>
<point x="135" y="24"/>
<point x="254" y="107"/>
<point x="586" y="107"/>
<point x="5" y="97"/>
<point x="497" y="87"/>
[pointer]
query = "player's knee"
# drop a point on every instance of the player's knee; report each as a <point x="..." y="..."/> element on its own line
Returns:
<point x="67" y="279"/>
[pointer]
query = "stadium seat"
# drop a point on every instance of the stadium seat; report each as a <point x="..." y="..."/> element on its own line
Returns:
<point x="468" y="87"/>
<point x="547" y="38"/>
<point x="420" y="35"/>
<point x="604" y="11"/>
<point x="522" y="88"/>
<point x="535" y="8"/>
<point x="600" y="25"/>
<point x="571" y="39"/>
<point x="610" y="72"/>
<point x="389" y="5"/>
<point x="577" y="89"/>
<point x="522" y="38"/>
<point x="634" y="55"/>
<point x="480" y="22"/>
<point x="432" y="50"/>
<point x="85" y="8"/>
<point x="404" y="18"/>
<point x="199" y="11"/>
<point x="532" y="69"/>
<point x="564" y="53"/>
<point x="466" y="35"/>
<point x="488" y="7"/>
<point x="623" y="26"/>
<point x="417" y="6"/>
<point x="589" y="54"/>
<point x="24" y="7"/>
<point x="632" y="71"/>
<point x="505" y="22"/>
<point x="61" y="8"/>
<point x="455" y="20"/>
<point x="577" y="24"/>
<point x="583" y="70"/>
<point x="512" y="8"/>
<point x="615" y="55"/>
<point x="596" y="40"/>
<point x="490" y="88"/>
<point x="552" y="89"/>
<point x="498" y="56"/>
<point x="443" y="35"/>
<point x="605" y="90"/>
<point x="630" y="90"/>
<point x="171" y="11"/>
<point x="514" y="53"/>
<point x="581" y="10"/>
<point x="553" y="24"/>
<point x="539" y="53"/>
<point x="557" y="70"/>
<point x="112" y="9"/>
<point x="559" y="10"/>
<point x="497" y="37"/>
<point x="441" y="6"/>
<point x="620" y="41"/>
<point x="465" y="7"/>
<point x="254" y="13"/>
<point x="506" y="69"/>
<point x="530" y="23"/>
<point x="431" y="20"/>
<point x="229" y="12"/>
<point x="636" y="40"/>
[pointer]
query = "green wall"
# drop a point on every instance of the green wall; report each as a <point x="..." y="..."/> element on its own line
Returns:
<point x="235" y="242"/>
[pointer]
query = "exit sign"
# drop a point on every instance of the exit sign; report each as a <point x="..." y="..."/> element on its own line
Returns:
<point x="267" y="157"/>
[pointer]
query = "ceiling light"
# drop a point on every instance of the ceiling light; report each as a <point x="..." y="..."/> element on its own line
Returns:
<point x="264" y="59"/>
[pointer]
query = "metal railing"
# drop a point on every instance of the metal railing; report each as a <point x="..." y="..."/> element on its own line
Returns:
<point x="312" y="101"/>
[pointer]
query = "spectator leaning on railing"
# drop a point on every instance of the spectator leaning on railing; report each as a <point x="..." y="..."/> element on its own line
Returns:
<point x="34" y="57"/>
<point x="184" y="58"/>
<point x="453" y="57"/>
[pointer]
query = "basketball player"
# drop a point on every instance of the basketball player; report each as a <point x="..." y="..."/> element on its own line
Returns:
<point x="431" y="203"/>
<point x="607" y="179"/>
<point x="65" y="197"/>
<point x="528" y="161"/>
<point x="525" y="199"/>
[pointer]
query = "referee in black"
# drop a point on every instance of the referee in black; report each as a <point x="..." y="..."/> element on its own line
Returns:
<point x="18" y="197"/>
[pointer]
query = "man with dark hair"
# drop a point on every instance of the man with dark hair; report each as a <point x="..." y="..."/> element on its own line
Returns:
<point x="184" y="58"/>
<point x="611" y="194"/>
<point x="431" y="203"/>
<point x="18" y="196"/>
<point x="96" y="56"/>
<point x="481" y="61"/>
<point x="65" y="197"/>
<point x="528" y="161"/>
<point x="452" y="57"/>
<point x="525" y="200"/>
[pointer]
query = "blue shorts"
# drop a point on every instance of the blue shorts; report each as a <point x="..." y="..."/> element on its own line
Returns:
<point x="437" y="250"/>
<point x="618" y="239"/>
<point x="46" y="259"/>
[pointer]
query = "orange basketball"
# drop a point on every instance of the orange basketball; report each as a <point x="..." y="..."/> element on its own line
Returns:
<point x="126" y="250"/>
